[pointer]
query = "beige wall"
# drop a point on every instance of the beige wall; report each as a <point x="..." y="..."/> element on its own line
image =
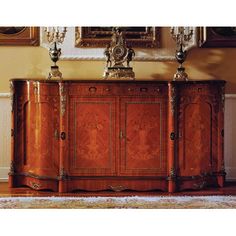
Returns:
<point x="34" y="62"/>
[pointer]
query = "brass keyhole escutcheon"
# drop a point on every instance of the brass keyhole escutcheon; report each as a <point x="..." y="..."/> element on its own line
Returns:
<point x="172" y="136"/>
<point x="63" y="135"/>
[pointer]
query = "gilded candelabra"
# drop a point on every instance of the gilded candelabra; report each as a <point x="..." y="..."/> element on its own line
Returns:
<point x="55" y="36"/>
<point x="181" y="35"/>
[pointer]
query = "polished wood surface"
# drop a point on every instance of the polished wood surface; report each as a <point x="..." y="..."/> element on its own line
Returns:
<point x="228" y="190"/>
<point x="114" y="135"/>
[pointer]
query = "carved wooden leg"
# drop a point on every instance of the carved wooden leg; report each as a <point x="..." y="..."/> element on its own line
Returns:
<point x="11" y="181"/>
<point x="221" y="181"/>
<point x="62" y="186"/>
<point x="171" y="186"/>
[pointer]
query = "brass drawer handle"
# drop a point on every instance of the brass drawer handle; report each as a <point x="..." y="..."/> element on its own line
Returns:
<point x="130" y="89"/>
<point x="143" y="89"/>
<point x="92" y="89"/>
<point x="172" y="136"/>
<point x="107" y="89"/>
<point x="157" y="90"/>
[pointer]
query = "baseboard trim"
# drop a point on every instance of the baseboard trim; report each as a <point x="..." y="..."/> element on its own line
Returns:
<point x="230" y="95"/>
<point x="3" y="180"/>
<point x="4" y="174"/>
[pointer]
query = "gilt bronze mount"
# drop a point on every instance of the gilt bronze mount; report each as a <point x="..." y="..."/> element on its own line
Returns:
<point x="117" y="53"/>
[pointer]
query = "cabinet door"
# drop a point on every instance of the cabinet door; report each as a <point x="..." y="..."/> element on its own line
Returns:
<point x="38" y="127"/>
<point x="197" y="134"/>
<point x="92" y="143"/>
<point x="142" y="136"/>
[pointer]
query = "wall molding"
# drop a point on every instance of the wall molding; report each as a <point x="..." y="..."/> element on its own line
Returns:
<point x="4" y="174"/>
<point x="70" y="52"/>
<point x="230" y="136"/>
<point x="230" y="96"/>
<point x="5" y="95"/>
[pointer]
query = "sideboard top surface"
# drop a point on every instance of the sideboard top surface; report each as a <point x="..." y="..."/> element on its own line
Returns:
<point x="117" y="81"/>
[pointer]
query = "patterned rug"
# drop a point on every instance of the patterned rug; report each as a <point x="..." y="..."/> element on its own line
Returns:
<point x="135" y="202"/>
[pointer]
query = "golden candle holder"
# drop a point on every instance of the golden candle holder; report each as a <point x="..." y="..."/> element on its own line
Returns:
<point x="55" y="36"/>
<point x="181" y="35"/>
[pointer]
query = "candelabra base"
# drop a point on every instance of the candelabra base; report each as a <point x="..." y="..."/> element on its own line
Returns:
<point x="180" y="74"/>
<point x="55" y="73"/>
<point x="123" y="73"/>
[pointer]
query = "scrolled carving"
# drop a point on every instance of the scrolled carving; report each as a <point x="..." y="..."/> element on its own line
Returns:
<point x="117" y="188"/>
<point x="172" y="174"/>
<point x="35" y="185"/>
<point x="12" y="168"/>
<point x="62" y="98"/>
<point x="62" y="174"/>
<point x="200" y="185"/>
<point x="36" y="88"/>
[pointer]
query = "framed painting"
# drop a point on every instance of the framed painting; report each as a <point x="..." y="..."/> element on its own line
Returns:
<point x="141" y="37"/>
<point x="217" y="36"/>
<point x="19" y="36"/>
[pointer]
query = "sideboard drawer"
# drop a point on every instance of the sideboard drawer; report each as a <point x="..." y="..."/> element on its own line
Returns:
<point x="144" y="89"/>
<point x="92" y="90"/>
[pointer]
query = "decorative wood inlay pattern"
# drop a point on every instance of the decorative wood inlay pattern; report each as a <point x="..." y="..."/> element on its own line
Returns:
<point x="93" y="125"/>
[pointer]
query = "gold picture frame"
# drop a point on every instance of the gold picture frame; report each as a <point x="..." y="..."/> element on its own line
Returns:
<point x="140" y="37"/>
<point x="213" y="37"/>
<point x="19" y="36"/>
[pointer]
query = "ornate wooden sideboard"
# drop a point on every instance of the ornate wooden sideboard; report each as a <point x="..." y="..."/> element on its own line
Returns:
<point x="97" y="135"/>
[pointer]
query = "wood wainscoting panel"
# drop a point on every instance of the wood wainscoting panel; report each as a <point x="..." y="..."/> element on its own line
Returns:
<point x="230" y="136"/>
<point x="5" y="135"/>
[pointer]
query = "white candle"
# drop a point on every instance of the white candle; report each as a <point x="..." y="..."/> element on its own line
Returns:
<point x="186" y="29"/>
